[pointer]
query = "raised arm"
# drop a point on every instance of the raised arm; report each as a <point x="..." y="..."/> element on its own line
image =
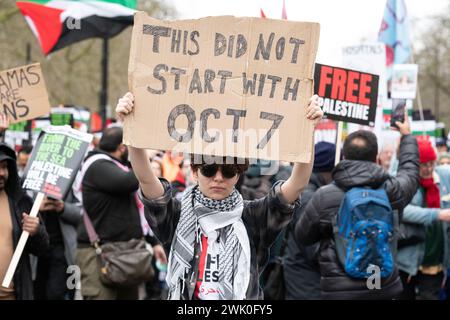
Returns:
<point x="402" y="188"/>
<point x="301" y="172"/>
<point x="150" y="185"/>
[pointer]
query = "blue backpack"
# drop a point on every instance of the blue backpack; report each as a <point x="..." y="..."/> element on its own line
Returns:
<point x="365" y="233"/>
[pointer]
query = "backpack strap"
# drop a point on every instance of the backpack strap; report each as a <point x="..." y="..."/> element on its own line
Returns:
<point x="335" y="217"/>
<point x="92" y="234"/>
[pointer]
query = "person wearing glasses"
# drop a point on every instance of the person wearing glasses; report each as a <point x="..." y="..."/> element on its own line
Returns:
<point x="217" y="243"/>
<point x="423" y="264"/>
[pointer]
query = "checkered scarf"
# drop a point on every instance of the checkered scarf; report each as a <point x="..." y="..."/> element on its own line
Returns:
<point x="223" y="216"/>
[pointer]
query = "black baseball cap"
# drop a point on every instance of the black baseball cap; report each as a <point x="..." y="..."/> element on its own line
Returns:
<point x="7" y="153"/>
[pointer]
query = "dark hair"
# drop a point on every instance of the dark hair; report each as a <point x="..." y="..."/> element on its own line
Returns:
<point x="361" y="145"/>
<point x="13" y="187"/>
<point x="111" y="139"/>
<point x="198" y="160"/>
<point x="25" y="149"/>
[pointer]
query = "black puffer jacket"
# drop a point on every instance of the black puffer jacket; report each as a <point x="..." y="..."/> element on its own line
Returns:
<point x="301" y="270"/>
<point x="315" y="224"/>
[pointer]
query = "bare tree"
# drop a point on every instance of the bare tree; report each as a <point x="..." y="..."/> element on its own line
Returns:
<point x="7" y="10"/>
<point x="434" y="67"/>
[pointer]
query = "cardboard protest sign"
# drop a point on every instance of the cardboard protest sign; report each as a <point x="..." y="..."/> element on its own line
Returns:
<point x="346" y="95"/>
<point x="222" y="86"/>
<point x="404" y="81"/>
<point x="23" y="94"/>
<point x="55" y="160"/>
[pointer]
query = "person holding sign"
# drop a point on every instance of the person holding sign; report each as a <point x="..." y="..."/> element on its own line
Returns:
<point x="14" y="208"/>
<point x="217" y="244"/>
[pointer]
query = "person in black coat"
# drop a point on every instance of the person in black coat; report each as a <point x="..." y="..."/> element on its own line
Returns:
<point x="359" y="169"/>
<point x="301" y="268"/>
<point x="15" y="205"/>
<point x="108" y="189"/>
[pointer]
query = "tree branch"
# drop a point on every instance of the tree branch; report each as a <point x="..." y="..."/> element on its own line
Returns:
<point x="8" y="14"/>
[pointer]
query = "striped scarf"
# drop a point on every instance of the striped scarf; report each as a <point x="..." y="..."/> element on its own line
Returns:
<point x="224" y="217"/>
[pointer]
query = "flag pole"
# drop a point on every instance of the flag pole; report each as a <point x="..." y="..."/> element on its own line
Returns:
<point x="339" y="128"/>
<point x="104" y="85"/>
<point x="28" y="53"/>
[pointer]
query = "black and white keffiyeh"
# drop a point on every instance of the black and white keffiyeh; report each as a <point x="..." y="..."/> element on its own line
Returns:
<point x="223" y="217"/>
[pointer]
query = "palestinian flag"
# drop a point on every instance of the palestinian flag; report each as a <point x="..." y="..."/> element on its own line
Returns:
<point x="60" y="23"/>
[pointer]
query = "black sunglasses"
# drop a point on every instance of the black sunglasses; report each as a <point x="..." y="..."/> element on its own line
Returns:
<point x="228" y="170"/>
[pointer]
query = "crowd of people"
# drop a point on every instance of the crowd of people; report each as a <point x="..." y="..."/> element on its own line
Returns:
<point x="216" y="228"/>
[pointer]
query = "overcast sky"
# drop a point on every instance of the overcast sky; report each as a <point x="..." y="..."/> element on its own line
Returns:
<point x="343" y="22"/>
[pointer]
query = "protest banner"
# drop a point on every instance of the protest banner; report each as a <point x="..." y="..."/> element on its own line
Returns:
<point x="222" y="86"/>
<point x="80" y="120"/>
<point x="370" y="57"/>
<point x="81" y="116"/>
<point x="23" y="95"/>
<point x="37" y="125"/>
<point x="404" y="81"/>
<point x="51" y="170"/>
<point x="326" y="131"/>
<point x="60" y="117"/>
<point x="54" y="161"/>
<point x="424" y="126"/>
<point x="441" y="139"/>
<point x="18" y="134"/>
<point x="346" y="95"/>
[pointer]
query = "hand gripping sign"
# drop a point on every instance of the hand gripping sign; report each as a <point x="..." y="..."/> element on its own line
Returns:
<point x="222" y="86"/>
<point x="50" y="171"/>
